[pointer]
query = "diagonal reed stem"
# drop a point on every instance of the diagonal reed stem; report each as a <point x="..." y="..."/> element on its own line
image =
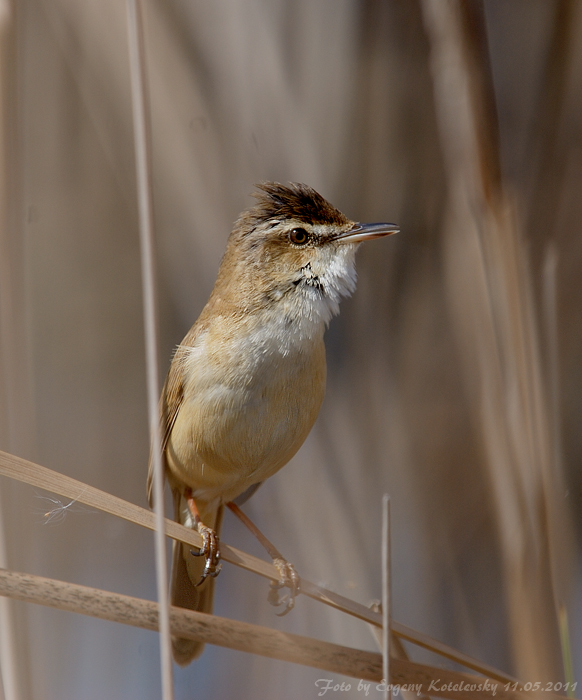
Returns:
<point x="29" y="473"/>
<point x="275" y="644"/>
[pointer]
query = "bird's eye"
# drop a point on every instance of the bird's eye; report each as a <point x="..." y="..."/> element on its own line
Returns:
<point x="298" y="236"/>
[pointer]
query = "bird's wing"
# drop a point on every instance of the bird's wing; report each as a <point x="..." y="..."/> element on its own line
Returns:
<point x="171" y="401"/>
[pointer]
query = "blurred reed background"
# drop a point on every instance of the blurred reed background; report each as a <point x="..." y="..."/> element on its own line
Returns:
<point x="455" y="381"/>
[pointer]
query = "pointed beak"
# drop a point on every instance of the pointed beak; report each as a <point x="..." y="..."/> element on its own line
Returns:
<point x="366" y="232"/>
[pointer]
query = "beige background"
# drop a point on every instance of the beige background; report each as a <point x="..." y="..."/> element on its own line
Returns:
<point x="338" y="94"/>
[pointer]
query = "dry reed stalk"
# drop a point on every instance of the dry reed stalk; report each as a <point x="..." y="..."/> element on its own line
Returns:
<point x="397" y="651"/>
<point x="550" y="159"/>
<point x="10" y="376"/>
<point x="35" y="475"/>
<point x="243" y="636"/>
<point x="211" y="629"/>
<point x="560" y="533"/>
<point x="494" y="308"/>
<point x="386" y="585"/>
<point x="143" y="162"/>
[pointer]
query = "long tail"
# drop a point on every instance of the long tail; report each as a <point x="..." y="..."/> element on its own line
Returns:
<point x="186" y="572"/>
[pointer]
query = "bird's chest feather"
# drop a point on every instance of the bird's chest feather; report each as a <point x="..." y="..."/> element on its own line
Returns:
<point x="250" y="400"/>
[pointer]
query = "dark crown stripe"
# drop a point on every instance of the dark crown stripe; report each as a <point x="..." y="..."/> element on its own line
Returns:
<point x="295" y="201"/>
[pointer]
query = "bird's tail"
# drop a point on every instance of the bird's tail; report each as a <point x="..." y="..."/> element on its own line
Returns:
<point x="186" y="572"/>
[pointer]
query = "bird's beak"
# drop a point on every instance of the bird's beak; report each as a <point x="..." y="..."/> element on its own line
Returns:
<point x="366" y="232"/>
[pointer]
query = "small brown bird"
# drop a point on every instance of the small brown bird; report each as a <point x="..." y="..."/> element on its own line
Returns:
<point x="246" y="384"/>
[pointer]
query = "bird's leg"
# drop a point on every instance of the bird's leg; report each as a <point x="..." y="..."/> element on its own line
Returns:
<point x="209" y="548"/>
<point x="288" y="577"/>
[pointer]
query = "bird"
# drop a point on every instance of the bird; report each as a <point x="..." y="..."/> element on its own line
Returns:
<point x="245" y="385"/>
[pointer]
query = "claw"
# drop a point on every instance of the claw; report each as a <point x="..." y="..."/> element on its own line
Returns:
<point x="289" y="578"/>
<point x="209" y="550"/>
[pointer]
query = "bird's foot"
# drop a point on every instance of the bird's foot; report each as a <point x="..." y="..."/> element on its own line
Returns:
<point x="288" y="578"/>
<point x="210" y="550"/>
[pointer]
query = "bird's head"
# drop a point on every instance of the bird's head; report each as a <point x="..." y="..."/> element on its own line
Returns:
<point x="294" y="250"/>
